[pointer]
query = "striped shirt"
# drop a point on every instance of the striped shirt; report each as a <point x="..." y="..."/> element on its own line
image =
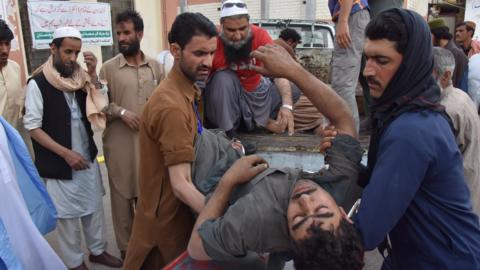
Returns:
<point x="335" y="5"/>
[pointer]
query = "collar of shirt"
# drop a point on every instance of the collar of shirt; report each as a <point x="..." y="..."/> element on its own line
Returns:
<point x="124" y="62"/>
<point x="187" y="87"/>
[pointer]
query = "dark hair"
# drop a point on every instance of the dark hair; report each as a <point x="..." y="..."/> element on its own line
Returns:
<point x="5" y="32"/>
<point x="466" y="27"/>
<point x="388" y="25"/>
<point x="327" y="250"/>
<point x="132" y="16"/>
<point x="188" y="25"/>
<point x="289" y="33"/>
<point x="442" y="33"/>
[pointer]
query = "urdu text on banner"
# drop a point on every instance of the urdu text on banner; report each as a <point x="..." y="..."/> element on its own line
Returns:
<point x="93" y="20"/>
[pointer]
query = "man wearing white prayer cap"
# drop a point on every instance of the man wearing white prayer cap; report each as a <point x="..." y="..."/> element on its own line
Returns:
<point x="237" y="97"/>
<point x="62" y="101"/>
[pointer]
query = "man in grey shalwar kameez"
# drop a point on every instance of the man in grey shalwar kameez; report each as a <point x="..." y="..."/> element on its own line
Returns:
<point x="236" y="97"/>
<point x="65" y="151"/>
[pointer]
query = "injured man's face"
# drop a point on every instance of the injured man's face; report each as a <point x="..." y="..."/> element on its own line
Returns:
<point x="311" y="205"/>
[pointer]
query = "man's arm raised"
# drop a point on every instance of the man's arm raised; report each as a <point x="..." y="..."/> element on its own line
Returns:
<point x="242" y="171"/>
<point x="278" y="63"/>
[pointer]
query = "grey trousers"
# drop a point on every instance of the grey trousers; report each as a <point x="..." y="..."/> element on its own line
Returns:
<point x="346" y="62"/>
<point x="228" y="106"/>
<point x="69" y="237"/>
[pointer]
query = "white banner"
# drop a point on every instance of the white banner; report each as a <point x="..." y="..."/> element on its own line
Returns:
<point x="472" y="13"/>
<point x="93" y="20"/>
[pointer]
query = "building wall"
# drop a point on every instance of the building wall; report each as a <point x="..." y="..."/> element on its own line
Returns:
<point x="286" y="9"/>
<point x="153" y="39"/>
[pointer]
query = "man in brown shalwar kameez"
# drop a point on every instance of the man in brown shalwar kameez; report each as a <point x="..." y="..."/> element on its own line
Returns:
<point x="131" y="77"/>
<point x="168" y="127"/>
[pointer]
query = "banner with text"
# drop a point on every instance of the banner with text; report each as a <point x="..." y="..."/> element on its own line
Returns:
<point x="93" y="20"/>
<point x="472" y="13"/>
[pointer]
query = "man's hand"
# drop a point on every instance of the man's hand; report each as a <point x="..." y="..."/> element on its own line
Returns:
<point x="342" y="35"/>
<point x="91" y="62"/>
<point x="76" y="161"/>
<point x="285" y="118"/>
<point x="245" y="169"/>
<point x="276" y="62"/>
<point x="131" y="119"/>
<point x="328" y="134"/>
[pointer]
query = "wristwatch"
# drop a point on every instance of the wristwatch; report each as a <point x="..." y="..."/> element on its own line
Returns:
<point x="286" y="106"/>
<point x="122" y="112"/>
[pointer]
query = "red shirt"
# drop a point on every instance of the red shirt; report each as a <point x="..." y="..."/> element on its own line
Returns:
<point x="248" y="78"/>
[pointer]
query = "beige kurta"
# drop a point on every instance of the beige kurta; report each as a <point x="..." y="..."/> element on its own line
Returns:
<point x="129" y="87"/>
<point x="466" y="123"/>
<point x="12" y="94"/>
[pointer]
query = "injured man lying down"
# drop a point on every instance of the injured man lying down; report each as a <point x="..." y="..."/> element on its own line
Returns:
<point x="288" y="213"/>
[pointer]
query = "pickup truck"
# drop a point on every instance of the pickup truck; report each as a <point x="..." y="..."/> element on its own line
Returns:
<point x="315" y="51"/>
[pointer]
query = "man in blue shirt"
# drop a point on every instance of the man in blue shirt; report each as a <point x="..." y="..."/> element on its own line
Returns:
<point x="415" y="192"/>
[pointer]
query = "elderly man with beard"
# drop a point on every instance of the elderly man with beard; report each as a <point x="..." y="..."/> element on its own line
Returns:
<point x="236" y="96"/>
<point x="441" y="37"/>
<point x="61" y="100"/>
<point x="464" y="116"/>
<point x="415" y="190"/>
<point x="168" y="127"/>
<point x="131" y="77"/>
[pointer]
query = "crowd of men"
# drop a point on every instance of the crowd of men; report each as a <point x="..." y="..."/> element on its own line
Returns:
<point x="182" y="182"/>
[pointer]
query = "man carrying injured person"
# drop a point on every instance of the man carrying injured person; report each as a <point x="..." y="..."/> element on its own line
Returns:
<point x="259" y="209"/>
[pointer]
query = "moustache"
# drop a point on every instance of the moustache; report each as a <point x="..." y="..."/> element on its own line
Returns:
<point x="204" y="67"/>
<point x="371" y="80"/>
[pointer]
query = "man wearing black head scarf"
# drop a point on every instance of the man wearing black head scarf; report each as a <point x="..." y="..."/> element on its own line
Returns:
<point x="415" y="190"/>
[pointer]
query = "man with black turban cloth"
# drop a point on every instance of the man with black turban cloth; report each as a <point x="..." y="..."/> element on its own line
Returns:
<point x="415" y="192"/>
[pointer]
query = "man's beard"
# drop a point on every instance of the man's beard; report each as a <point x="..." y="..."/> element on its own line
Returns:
<point x="237" y="51"/>
<point x="3" y="59"/>
<point x="192" y="74"/>
<point x="65" y="70"/>
<point x="132" y="48"/>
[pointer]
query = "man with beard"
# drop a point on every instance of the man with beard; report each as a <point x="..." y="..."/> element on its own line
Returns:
<point x="464" y="116"/>
<point x="131" y="77"/>
<point x="12" y="94"/>
<point x="236" y="96"/>
<point x="415" y="191"/>
<point x="168" y="127"/>
<point x="62" y="101"/>
<point x="441" y="37"/>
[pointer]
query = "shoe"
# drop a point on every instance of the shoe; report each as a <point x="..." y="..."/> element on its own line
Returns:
<point x="249" y="147"/>
<point x="106" y="259"/>
<point x="80" y="267"/>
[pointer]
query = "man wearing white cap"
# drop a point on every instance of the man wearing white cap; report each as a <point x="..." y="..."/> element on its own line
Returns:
<point x="236" y="96"/>
<point x="62" y="100"/>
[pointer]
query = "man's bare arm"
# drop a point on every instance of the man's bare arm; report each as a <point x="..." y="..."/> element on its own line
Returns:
<point x="342" y="35"/>
<point x="73" y="159"/>
<point x="285" y="116"/>
<point x="242" y="171"/>
<point x="183" y="187"/>
<point x="275" y="59"/>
